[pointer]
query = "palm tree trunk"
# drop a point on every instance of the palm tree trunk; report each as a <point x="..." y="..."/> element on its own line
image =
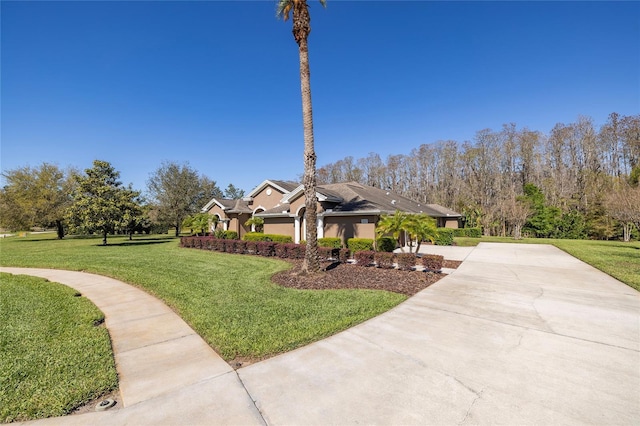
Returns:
<point x="301" y="30"/>
<point x="311" y="263"/>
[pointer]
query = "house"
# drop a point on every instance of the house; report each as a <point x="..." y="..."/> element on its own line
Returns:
<point x="345" y="210"/>
<point x="232" y="214"/>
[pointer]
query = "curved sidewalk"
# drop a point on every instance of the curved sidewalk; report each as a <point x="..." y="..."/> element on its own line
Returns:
<point x="167" y="374"/>
<point x="518" y="334"/>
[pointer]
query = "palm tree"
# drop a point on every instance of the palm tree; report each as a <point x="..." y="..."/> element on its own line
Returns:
<point x="256" y="222"/>
<point x="301" y="30"/>
<point x="421" y="227"/>
<point x="392" y="224"/>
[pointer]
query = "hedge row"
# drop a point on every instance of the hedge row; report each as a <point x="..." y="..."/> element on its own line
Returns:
<point x="404" y="261"/>
<point x="226" y="235"/>
<point x="444" y="237"/>
<point x="468" y="232"/>
<point x="261" y="248"/>
<point x="258" y="236"/>
<point x="360" y="244"/>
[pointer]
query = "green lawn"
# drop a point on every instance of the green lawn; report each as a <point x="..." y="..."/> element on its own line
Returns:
<point x="54" y="356"/>
<point x="228" y="299"/>
<point x="619" y="259"/>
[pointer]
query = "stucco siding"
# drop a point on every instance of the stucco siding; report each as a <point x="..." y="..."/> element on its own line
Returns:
<point x="279" y="225"/>
<point x="346" y="227"/>
<point x="217" y="210"/>
<point x="267" y="201"/>
<point x="450" y="223"/>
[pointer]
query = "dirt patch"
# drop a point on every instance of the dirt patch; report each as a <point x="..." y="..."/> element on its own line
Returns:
<point x="451" y="264"/>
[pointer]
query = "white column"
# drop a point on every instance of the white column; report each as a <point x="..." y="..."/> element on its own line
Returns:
<point x="303" y="234"/>
<point x="225" y="225"/>
<point x="296" y="230"/>
<point x="320" y="227"/>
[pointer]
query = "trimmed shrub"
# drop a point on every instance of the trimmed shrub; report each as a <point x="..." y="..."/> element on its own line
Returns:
<point x="386" y="244"/>
<point x="406" y="261"/>
<point x="266" y="248"/>
<point x="384" y="259"/>
<point x="207" y="242"/>
<point x="251" y="247"/>
<point x="295" y="251"/>
<point x="219" y="234"/>
<point x="277" y="238"/>
<point x="343" y="255"/>
<point x="364" y="257"/>
<point x="331" y="242"/>
<point x="254" y="236"/>
<point x="218" y="244"/>
<point x="360" y="244"/>
<point x="325" y="253"/>
<point x="468" y="232"/>
<point x="239" y="246"/>
<point x="230" y="235"/>
<point x="444" y="237"/>
<point x="228" y="246"/>
<point x="432" y="262"/>
<point x="281" y="250"/>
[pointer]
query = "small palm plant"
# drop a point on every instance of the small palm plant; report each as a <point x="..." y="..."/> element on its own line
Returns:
<point x="421" y="227"/>
<point x="418" y="228"/>
<point x="256" y="223"/>
<point x="393" y="225"/>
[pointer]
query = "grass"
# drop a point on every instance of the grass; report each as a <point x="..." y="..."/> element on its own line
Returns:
<point x="619" y="259"/>
<point x="54" y="358"/>
<point x="228" y="299"/>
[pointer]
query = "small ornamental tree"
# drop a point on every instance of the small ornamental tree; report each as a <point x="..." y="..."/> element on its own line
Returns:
<point x="100" y="202"/>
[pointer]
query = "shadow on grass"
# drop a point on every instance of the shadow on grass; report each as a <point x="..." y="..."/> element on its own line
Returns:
<point x="135" y="241"/>
<point x="140" y="242"/>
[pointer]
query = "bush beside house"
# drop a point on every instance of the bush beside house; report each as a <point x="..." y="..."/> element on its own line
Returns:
<point x="385" y="260"/>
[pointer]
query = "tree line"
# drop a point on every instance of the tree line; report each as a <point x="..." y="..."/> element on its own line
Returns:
<point x="576" y="181"/>
<point x="95" y="201"/>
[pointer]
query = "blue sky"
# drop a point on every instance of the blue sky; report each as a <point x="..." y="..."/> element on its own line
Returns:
<point x="216" y="84"/>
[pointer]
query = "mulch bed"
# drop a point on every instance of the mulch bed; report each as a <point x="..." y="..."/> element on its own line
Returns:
<point x="347" y="276"/>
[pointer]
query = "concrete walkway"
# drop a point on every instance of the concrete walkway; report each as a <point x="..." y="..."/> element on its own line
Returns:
<point x="167" y="374"/>
<point x="519" y="334"/>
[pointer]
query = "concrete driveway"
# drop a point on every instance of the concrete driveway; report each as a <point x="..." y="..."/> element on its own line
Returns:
<point x="519" y="334"/>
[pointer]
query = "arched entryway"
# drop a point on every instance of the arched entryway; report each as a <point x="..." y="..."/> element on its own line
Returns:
<point x="258" y="209"/>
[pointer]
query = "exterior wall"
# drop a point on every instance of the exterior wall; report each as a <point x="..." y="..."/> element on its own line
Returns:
<point x="267" y="201"/>
<point x="217" y="210"/>
<point x="296" y="204"/>
<point x="279" y="225"/>
<point x="299" y="202"/>
<point x="448" y="223"/>
<point x="347" y="227"/>
<point x="237" y="224"/>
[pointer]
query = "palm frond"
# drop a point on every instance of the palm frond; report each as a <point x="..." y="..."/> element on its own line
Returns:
<point x="283" y="8"/>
